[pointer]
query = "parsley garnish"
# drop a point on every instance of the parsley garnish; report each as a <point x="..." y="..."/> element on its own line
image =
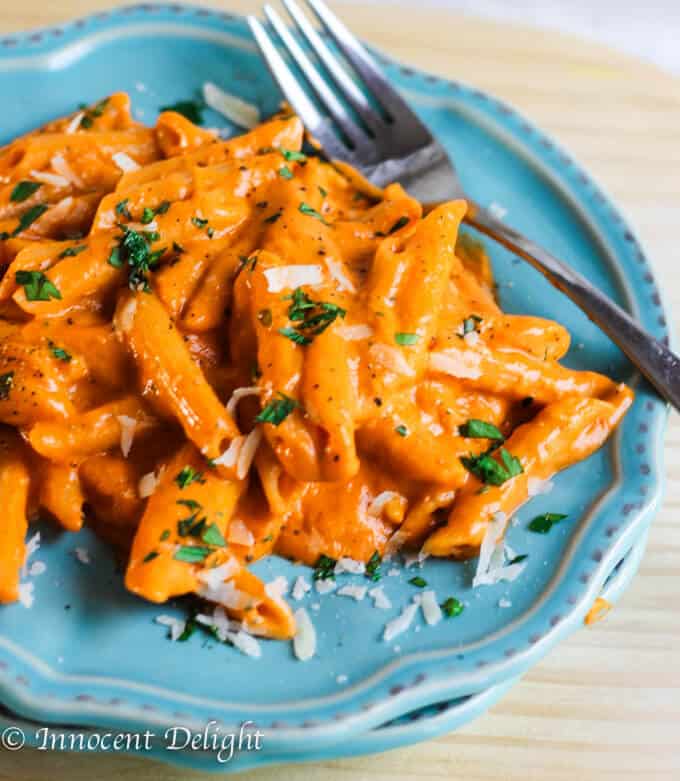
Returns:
<point x="470" y="324"/>
<point x="122" y="209"/>
<point x="277" y="410"/>
<point x="6" y="383"/>
<point x="150" y="556"/>
<point x="91" y="114"/>
<point x="71" y="252"/>
<point x="213" y="536"/>
<point x="310" y="316"/>
<point x="418" y="581"/>
<point x="285" y="172"/>
<point x="187" y="476"/>
<point x="58" y="352"/>
<point x="323" y="191"/>
<point x="291" y="156"/>
<point x="191" y="109"/>
<point x="542" y="524"/>
<point x="452" y="607"/>
<point x="37" y="286"/>
<point x="400" y="223"/>
<point x="192" y="526"/>
<point x="199" y="222"/>
<point x="518" y="559"/>
<point x="147" y="216"/>
<point x="28" y="218"/>
<point x="24" y="190"/>
<point x="491" y="471"/>
<point x="373" y="567"/>
<point x="307" y="210"/>
<point x="165" y="535"/>
<point x="190" y="504"/>
<point x="294" y="336"/>
<point x="402" y="430"/>
<point x="274" y="217"/>
<point x="133" y="249"/>
<point x="405" y="339"/>
<point x="189" y="628"/>
<point x="194" y="554"/>
<point x="324" y="569"/>
<point x="479" y="429"/>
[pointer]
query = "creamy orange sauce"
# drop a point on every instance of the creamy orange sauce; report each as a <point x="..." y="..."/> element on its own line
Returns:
<point x="231" y="350"/>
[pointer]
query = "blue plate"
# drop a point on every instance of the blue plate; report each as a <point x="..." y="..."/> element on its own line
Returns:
<point x="103" y="661"/>
<point x="422" y="724"/>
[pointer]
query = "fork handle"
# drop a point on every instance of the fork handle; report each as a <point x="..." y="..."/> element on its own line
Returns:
<point x="658" y="364"/>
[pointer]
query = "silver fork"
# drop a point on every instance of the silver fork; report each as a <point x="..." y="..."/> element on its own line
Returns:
<point x="391" y="144"/>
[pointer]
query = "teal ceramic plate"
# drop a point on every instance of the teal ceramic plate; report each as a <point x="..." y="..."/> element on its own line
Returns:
<point x="423" y="724"/>
<point x="89" y="653"/>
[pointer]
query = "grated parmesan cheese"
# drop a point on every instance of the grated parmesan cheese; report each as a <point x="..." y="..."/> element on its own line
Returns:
<point x="148" y="484"/>
<point x="401" y="623"/>
<point x="277" y="588"/>
<point x="124" y="162"/>
<point x="461" y="364"/>
<point x="353" y="591"/>
<point x="289" y="277"/>
<point x="37" y="568"/>
<point x="392" y="358"/>
<point x="432" y="613"/>
<point x="247" y="452"/>
<point x="233" y="108"/>
<point x="82" y="555"/>
<point x="300" y="588"/>
<point x="245" y="643"/>
<point x="32" y="545"/>
<point x="239" y="533"/>
<point x="74" y="124"/>
<point x="26" y="594"/>
<point x="375" y="508"/>
<point x="238" y="394"/>
<point x="335" y="269"/>
<point x="345" y="564"/>
<point x="215" y="576"/>
<point x="230" y="455"/>
<point x="326" y="586"/>
<point x="380" y="599"/>
<point x="536" y="486"/>
<point x="304" y="642"/>
<point x="45" y="177"/>
<point x="175" y="625"/>
<point x="354" y="333"/>
<point x="127" y="433"/>
<point x="61" y="167"/>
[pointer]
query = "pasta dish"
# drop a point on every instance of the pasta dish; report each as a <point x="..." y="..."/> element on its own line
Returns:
<point x="214" y="351"/>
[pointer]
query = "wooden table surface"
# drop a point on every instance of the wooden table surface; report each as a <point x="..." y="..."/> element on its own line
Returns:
<point x="606" y="703"/>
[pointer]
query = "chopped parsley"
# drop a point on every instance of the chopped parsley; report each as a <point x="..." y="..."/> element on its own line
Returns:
<point x="133" y="249"/>
<point x="418" y="581"/>
<point x="187" y="476"/>
<point x="213" y="536"/>
<point x="71" y="252"/>
<point x="27" y="219"/>
<point x="517" y="559"/>
<point x="189" y="628"/>
<point x="398" y="225"/>
<point x="193" y="526"/>
<point x="58" y="352"/>
<point x="405" y="339"/>
<point x="93" y="113"/>
<point x="308" y="211"/>
<point x="150" y="556"/>
<point x="190" y="504"/>
<point x="37" y="286"/>
<point x="285" y="172"/>
<point x="191" y="109"/>
<point x="273" y="217"/>
<point x="165" y="535"/>
<point x="323" y="191"/>
<point x="373" y="567"/>
<point x="147" y="216"/>
<point x="310" y="317"/>
<point x="542" y="524"/>
<point x="479" y="429"/>
<point x="122" y="209"/>
<point x="491" y="471"/>
<point x="291" y="156"/>
<point x="193" y="554"/>
<point x="24" y="190"/>
<point x="199" y="222"/>
<point x="470" y="324"/>
<point x="277" y="410"/>
<point x="402" y="430"/>
<point x="324" y="568"/>
<point x="6" y="383"/>
<point x="452" y="607"/>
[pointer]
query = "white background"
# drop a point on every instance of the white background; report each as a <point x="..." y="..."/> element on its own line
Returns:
<point x="650" y="30"/>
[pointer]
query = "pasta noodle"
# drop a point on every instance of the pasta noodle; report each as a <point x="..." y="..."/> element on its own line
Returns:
<point x="214" y="351"/>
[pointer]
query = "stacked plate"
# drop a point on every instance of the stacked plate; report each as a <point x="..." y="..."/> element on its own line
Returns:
<point x="89" y="654"/>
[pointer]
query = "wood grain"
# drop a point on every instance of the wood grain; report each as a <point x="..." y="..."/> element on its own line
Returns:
<point x="605" y="704"/>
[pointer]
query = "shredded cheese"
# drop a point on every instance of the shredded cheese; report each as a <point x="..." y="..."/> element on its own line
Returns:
<point x="353" y="591"/>
<point x="235" y="109"/>
<point x="401" y="623"/>
<point x="45" y="177"/>
<point x="392" y="358"/>
<point x="300" y="588"/>
<point x="304" y="642"/>
<point x="128" y="426"/>
<point x="238" y="394"/>
<point x="124" y="162"/>
<point x="289" y="277"/>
